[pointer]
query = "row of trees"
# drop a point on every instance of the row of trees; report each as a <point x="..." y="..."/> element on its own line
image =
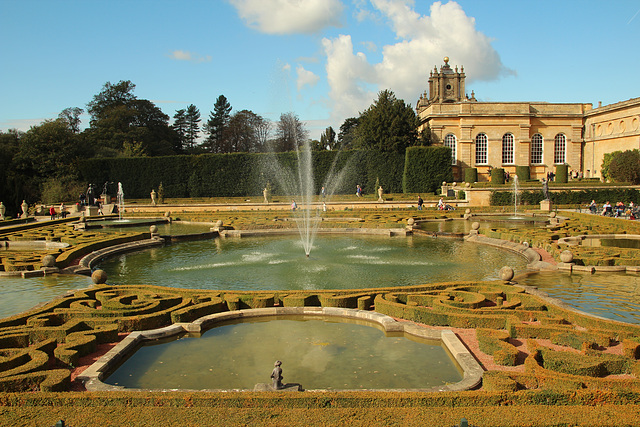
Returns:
<point x="41" y="164"/>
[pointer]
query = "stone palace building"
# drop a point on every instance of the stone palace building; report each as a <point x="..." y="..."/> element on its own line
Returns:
<point x="541" y="135"/>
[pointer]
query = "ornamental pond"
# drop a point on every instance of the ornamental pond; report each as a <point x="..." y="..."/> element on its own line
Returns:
<point x="353" y="261"/>
<point x="317" y="353"/>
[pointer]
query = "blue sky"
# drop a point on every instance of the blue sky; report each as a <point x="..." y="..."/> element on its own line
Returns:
<point x="324" y="60"/>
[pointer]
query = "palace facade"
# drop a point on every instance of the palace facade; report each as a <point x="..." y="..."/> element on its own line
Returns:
<point x="541" y="135"/>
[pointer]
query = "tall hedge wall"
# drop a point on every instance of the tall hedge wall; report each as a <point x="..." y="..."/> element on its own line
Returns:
<point x="425" y="168"/>
<point x="244" y="174"/>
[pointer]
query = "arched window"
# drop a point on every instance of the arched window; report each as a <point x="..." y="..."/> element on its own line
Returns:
<point x="536" y="149"/>
<point x="560" y="149"/>
<point x="450" y="141"/>
<point x="507" y="149"/>
<point x="481" y="149"/>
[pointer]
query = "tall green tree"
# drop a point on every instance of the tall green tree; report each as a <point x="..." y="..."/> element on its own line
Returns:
<point x="180" y="127"/>
<point x="245" y="132"/>
<point x="72" y="117"/>
<point x="215" y="126"/>
<point x="192" y="118"/>
<point x="328" y="139"/>
<point x="11" y="193"/>
<point x="290" y="132"/>
<point x="387" y="125"/>
<point x="347" y="135"/>
<point x="119" y="118"/>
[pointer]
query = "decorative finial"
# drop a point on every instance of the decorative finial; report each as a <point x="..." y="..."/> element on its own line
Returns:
<point x="446" y="60"/>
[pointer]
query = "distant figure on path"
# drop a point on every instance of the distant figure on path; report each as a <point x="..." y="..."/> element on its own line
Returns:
<point x="52" y="212"/>
<point x="358" y="190"/>
<point x="294" y="205"/>
<point x="420" y="202"/>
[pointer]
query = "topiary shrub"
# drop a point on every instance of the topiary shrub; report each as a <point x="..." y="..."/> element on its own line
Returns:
<point x="625" y="167"/>
<point x="523" y="173"/>
<point x="497" y="176"/>
<point x="471" y="175"/>
<point x="562" y="174"/>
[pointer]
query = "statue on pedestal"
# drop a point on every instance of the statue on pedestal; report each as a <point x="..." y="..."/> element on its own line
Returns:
<point x="276" y="376"/>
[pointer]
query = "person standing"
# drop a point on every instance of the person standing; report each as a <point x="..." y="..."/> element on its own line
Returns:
<point x="420" y="202"/>
<point x="52" y="212"/>
<point x="358" y="190"/>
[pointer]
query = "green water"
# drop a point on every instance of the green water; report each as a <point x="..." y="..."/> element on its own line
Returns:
<point x="613" y="296"/>
<point x="336" y="262"/>
<point x="316" y="354"/>
<point x="164" y="229"/>
<point x="18" y="294"/>
<point x="615" y="243"/>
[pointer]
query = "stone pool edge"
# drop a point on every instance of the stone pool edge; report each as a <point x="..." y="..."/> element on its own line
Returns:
<point x="472" y="371"/>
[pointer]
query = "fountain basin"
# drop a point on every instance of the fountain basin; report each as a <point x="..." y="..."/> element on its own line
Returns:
<point x="338" y="261"/>
<point x="467" y="373"/>
<point x="627" y="241"/>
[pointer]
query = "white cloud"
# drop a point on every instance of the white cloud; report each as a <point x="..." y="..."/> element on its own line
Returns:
<point x="182" y="55"/>
<point x="289" y="16"/>
<point x="422" y="43"/>
<point x="305" y="77"/>
<point x="348" y="75"/>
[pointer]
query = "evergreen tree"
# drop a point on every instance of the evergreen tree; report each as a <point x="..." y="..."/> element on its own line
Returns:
<point x="387" y="125"/>
<point x="180" y="126"/>
<point x="328" y="139"/>
<point x="347" y="135"/>
<point x="192" y="120"/>
<point x="215" y="126"/>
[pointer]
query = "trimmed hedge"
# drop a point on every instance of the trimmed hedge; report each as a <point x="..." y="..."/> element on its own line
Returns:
<point x="246" y="174"/>
<point x="426" y="168"/>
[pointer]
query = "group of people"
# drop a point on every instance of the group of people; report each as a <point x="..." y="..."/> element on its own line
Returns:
<point x="617" y="211"/>
<point x="63" y="211"/>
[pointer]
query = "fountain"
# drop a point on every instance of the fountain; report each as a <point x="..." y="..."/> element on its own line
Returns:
<point x="301" y="183"/>
<point x="516" y="193"/>
<point x="120" y="201"/>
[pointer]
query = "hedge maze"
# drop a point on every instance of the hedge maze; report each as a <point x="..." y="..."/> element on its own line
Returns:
<point x="41" y="347"/>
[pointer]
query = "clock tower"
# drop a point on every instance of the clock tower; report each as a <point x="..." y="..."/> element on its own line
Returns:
<point x="445" y="86"/>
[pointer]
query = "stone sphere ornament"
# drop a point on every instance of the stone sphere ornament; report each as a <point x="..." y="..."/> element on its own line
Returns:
<point x="48" y="261"/>
<point x="475" y="225"/>
<point x="506" y="273"/>
<point x="153" y="229"/>
<point x="411" y="221"/>
<point x="566" y="256"/>
<point x="219" y="223"/>
<point x="167" y="214"/>
<point x="99" y="277"/>
<point x="467" y="211"/>
<point x="552" y="214"/>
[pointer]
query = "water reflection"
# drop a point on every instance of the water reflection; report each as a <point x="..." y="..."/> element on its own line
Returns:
<point x="613" y="296"/>
<point x="315" y="353"/>
<point x="336" y="262"/>
<point x="18" y="294"/>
